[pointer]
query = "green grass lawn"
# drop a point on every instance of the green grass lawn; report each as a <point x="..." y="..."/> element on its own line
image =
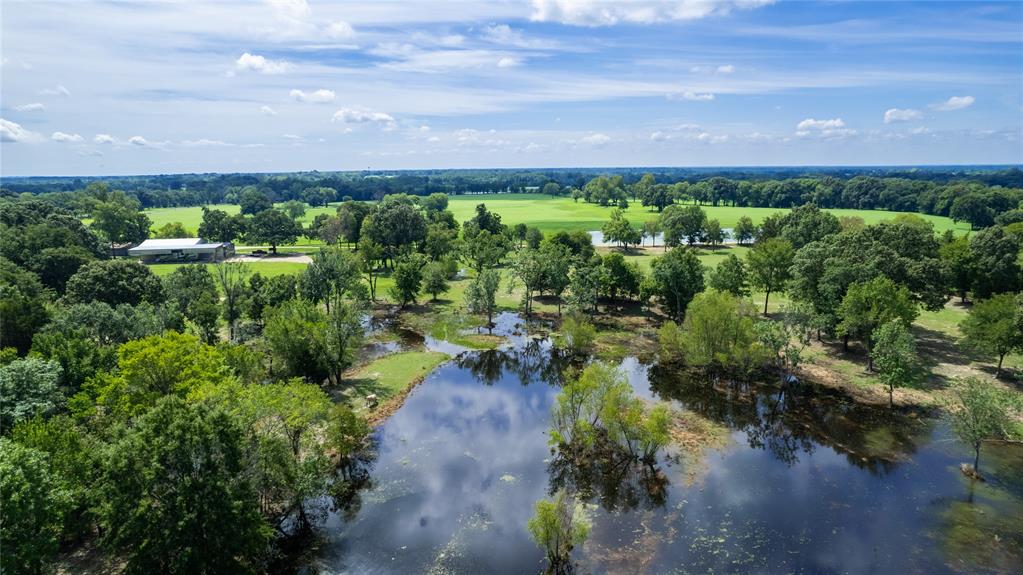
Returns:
<point x="555" y="214"/>
<point x="266" y="268"/>
<point x="390" y="375"/>
<point x="550" y="214"/>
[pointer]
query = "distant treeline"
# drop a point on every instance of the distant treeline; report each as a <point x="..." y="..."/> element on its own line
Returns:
<point x="929" y="190"/>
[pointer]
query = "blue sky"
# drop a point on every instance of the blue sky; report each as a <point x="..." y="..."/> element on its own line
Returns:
<point x="119" y="87"/>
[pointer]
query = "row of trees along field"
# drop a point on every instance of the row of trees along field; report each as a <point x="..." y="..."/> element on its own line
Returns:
<point x="114" y="382"/>
<point x="977" y="197"/>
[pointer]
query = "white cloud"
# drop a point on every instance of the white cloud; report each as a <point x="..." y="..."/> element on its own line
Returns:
<point x="340" y="30"/>
<point x="424" y="128"/>
<point x="363" y="116"/>
<point x="58" y="91"/>
<point x="103" y="139"/>
<point x="254" y="63"/>
<point x="692" y="96"/>
<point x="508" y="36"/>
<point x="660" y="136"/>
<point x="142" y="142"/>
<point x="608" y="13"/>
<point x="320" y="96"/>
<point x="267" y="111"/>
<point x="907" y="115"/>
<point x="203" y="142"/>
<point x="508" y="62"/>
<point x="812" y="124"/>
<point x="33" y="107"/>
<point x="595" y="139"/>
<point x="726" y="69"/>
<point x="14" y="132"/>
<point x="66" y="138"/>
<point x="954" y="103"/>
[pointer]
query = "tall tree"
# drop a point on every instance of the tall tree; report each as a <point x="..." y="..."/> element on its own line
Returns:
<point x="33" y="505"/>
<point x="895" y="355"/>
<point x="678" y="276"/>
<point x="683" y="224"/>
<point x="480" y="295"/>
<point x="769" y="262"/>
<point x="980" y="412"/>
<point x="992" y="327"/>
<point x="869" y="305"/>
<point x="177" y="495"/>
<point x="114" y="282"/>
<point x="273" y="228"/>
<point x="231" y="278"/>
<point x="996" y="257"/>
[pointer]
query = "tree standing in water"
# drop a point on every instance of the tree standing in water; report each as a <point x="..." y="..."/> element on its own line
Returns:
<point x="980" y="411"/>
<point x="557" y="526"/>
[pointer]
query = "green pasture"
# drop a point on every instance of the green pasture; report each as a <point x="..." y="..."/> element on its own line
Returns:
<point x="266" y="268"/>
<point x="552" y="214"/>
<point x="555" y="214"/>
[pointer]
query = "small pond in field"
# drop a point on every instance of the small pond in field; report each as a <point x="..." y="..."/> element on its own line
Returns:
<point x="810" y="482"/>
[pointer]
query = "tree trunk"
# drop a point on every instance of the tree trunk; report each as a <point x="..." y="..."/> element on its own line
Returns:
<point x="998" y="372"/>
<point x="976" y="458"/>
<point x="767" y="296"/>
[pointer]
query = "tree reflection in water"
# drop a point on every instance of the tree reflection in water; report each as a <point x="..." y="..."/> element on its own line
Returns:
<point x="790" y="419"/>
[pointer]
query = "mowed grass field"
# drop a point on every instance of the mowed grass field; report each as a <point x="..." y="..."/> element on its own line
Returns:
<point x="553" y="214"/>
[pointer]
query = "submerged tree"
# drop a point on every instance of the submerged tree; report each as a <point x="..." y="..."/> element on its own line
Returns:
<point x="980" y="412"/>
<point x="557" y="526"/>
<point x="481" y="293"/>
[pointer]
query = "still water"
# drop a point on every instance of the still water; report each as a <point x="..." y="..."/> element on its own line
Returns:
<point x="810" y="482"/>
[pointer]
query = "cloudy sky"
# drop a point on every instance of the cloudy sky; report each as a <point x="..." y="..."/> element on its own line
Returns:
<point x="129" y="87"/>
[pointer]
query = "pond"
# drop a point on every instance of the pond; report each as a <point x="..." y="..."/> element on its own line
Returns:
<point x="810" y="482"/>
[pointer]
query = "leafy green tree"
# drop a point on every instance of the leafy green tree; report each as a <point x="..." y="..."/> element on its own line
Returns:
<point x="22" y="306"/>
<point x="440" y="241"/>
<point x="173" y="230"/>
<point x="149" y="369"/>
<point x="370" y="253"/>
<point x="650" y="229"/>
<point x="972" y="208"/>
<point x="55" y="266"/>
<point x="730" y="276"/>
<point x="529" y="267"/>
<point x="435" y="279"/>
<point x="114" y="282"/>
<point x="269" y="292"/>
<point x="484" y="250"/>
<point x="75" y="460"/>
<point x="294" y="208"/>
<point x="620" y="278"/>
<point x="332" y="276"/>
<point x="408" y="279"/>
<point x="557" y="526"/>
<point x="678" y="276"/>
<point x="192" y="291"/>
<point x="253" y="201"/>
<point x="808" y="223"/>
<point x="552" y="189"/>
<point x="28" y="387"/>
<point x="120" y="222"/>
<point x="294" y="334"/>
<point x="715" y="235"/>
<point x="557" y="261"/>
<point x="869" y="305"/>
<point x="230" y="277"/>
<point x="352" y="215"/>
<point x="996" y="259"/>
<point x="960" y="270"/>
<point x="396" y="224"/>
<point x="177" y="497"/>
<point x="619" y="230"/>
<point x="579" y="334"/>
<point x="980" y="412"/>
<point x="768" y="263"/>
<point x="480" y="294"/>
<point x="80" y="357"/>
<point x="274" y="228"/>
<point x="219" y="226"/>
<point x="586" y="283"/>
<point x="534" y="237"/>
<point x="895" y="356"/>
<point x="683" y="224"/>
<point x="744" y="230"/>
<point x="33" y="509"/>
<point x="718" y="333"/>
<point x="992" y="329"/>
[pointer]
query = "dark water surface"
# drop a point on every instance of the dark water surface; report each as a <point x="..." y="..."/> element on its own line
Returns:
<point x="811" y="482"/>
